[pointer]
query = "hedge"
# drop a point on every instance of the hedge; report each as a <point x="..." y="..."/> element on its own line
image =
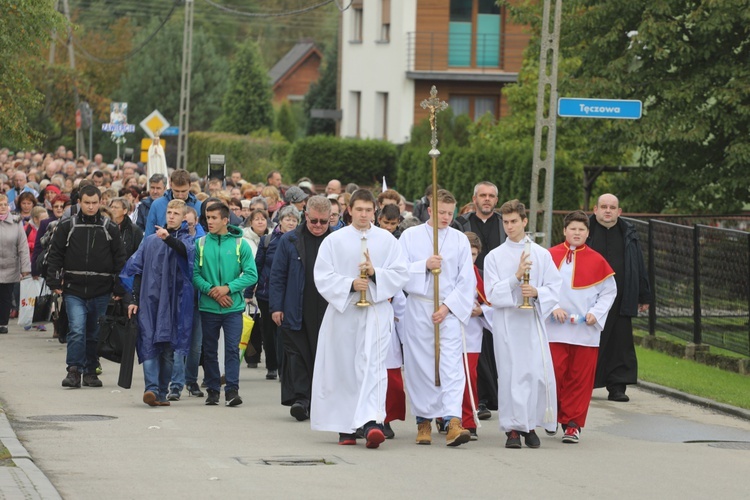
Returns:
<point x="362" y="161"/>
<point x="252" y="156"/>
<point x="460" y="168"/>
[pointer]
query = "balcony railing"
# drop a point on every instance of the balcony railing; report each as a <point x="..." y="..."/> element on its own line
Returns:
<point x="474" y="52"/>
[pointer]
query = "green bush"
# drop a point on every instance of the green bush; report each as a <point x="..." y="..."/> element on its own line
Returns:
<point x="322" y="158"/>
<point x="253" y="156"/>
<point x="460" y="168"/>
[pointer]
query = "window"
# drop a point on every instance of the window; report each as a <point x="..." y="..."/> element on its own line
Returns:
<point x="381" y="115"/>
<point x="459" y="33"/>
<point x="355" y="104"/>
<point x="385" y="20"/>
<point x="474" y="33"/>
<point x="357" y="16"/>
<point x="476" y="106"/>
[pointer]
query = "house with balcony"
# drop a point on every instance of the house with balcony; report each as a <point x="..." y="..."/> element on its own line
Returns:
<point x="392" y="52"/>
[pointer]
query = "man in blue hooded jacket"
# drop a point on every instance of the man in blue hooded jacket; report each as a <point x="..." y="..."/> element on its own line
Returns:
<point x="179" y="190"/>
<point x="162" y="269"/>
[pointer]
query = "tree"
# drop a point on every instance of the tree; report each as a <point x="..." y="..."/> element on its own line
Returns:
<point x="25" y="26"/>
<point x="688" y="62"/>
<point x="322" y="93"/>
<point x="286" y="123"/>
<point x="153" y="79"/>
<point x="246" y="106"/>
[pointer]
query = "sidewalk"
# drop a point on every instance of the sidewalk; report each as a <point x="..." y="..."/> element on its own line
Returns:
<point x="105" y="443"/>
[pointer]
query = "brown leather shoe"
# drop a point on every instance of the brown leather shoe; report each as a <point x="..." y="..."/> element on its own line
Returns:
<point x="424" y="432"/>
<point x="150" y="398"/>
<point x="164" y="403"/>
<point x="456" y="433"/>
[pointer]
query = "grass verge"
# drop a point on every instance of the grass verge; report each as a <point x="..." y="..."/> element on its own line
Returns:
<point x="694" y="378"/>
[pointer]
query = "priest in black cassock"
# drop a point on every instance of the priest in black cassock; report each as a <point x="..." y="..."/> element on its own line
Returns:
<point x="617" y="240"/>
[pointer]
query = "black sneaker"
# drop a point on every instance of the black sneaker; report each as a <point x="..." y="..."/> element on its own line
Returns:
<point x="213" y="398"/>
<point x="473" y="434"/>
<point x="440" y="424"/>
<point x="483" y="413"/>
<point x="174" y="394"/>
<point x="299" y="411"/>
<point x="3" y="329"/>
<point x="360" y="434"/>
<point x="271" y="375"/>
<point x="73" y="379"/>
<point x="195" y="390"/>
<point x="347" y="439"/>
<point x="389" y="434"/>
<point x="514" y="440"/>
<point x="232" y="397"/>
<point x="91" y="380"/>
<point x="532" y="440"/>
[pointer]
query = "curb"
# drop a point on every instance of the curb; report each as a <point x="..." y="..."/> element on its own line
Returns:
<point x="43" y="488"/>
<point x="696" y="400"/>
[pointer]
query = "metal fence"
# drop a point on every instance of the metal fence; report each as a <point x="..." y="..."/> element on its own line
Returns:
<point x="700" y="279"/>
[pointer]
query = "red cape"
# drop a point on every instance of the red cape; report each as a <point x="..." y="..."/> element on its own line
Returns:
<point x="589" y="267"/>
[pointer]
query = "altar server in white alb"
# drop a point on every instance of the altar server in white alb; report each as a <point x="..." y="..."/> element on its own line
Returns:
<point x="350" y="378"/>
<point x="456" y="285"/>
<point x="575" y="326"/>
<point x="526" y="379"/>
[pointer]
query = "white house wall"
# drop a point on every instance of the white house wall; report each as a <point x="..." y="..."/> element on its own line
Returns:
<point x="374" y="68"/>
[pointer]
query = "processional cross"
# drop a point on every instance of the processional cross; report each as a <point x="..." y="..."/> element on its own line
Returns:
<point x="434" y="105"/>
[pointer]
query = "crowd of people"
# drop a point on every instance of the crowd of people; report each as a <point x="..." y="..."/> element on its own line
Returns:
<point x="342" y="287"/>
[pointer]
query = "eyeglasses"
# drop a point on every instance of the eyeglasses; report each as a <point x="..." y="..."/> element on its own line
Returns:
<point x="335" y="216"/>
<point x="58" y="207"/>
<point x="317" y="222"/>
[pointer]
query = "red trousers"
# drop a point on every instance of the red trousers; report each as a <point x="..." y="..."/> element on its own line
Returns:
<point x="575" y="369"/>
<point x="467" y="415"/>
<point x="395" y="398"/>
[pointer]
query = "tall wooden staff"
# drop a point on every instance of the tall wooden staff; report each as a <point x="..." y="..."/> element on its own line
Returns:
<point x="435" y="105"/>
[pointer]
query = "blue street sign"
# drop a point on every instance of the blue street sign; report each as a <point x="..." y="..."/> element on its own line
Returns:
<point x="576" y="107"/>
<point x="119" y="128"/>
<point x="171" y="131"/>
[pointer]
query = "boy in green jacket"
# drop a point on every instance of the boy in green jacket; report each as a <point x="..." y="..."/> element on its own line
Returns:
<point x="224" y="267"/>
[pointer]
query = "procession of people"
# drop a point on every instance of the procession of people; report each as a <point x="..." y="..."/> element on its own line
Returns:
<point x="358" y="305"/>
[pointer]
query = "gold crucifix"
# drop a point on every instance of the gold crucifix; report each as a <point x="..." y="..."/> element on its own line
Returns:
<point x="435" y="105"/>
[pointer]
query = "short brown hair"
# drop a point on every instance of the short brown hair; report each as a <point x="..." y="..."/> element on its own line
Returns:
<point x="513" y="207"/>
<point x="180" y="177"/>
<point x="474" y="240"/>
<point x="576" y="216"/>
<point x="445" y="196"/>
<point x="362" y="195"/>
<point x="389" y="194"/>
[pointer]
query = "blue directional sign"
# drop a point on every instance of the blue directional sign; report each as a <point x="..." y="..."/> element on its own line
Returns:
<point x="171" y="131"/>
<point x="576" y="107"/>
<point x="119" y="128"/>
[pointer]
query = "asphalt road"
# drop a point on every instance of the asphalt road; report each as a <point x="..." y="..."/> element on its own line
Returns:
<point x="106" y="444"/>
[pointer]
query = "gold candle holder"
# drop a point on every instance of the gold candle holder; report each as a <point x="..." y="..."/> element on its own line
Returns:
<point x="363" y="302"/>
<point x="526" y="301"/>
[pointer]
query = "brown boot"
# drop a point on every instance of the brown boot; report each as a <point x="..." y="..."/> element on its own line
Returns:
<point x="456" y="434"/>
<point x="424" y="432"/>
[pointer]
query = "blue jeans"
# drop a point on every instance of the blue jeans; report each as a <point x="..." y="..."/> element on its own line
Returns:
<point x="212" y="325"/>
<point x="157" y="372"/>
<point x="83" y="334"/>
<point x="185" y="369"/>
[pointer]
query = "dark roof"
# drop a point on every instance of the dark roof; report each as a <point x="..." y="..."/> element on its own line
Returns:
<point x="295" y="55"/>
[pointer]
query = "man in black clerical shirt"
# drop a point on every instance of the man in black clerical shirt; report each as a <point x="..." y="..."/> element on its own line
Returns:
<point x="617" y="240"/>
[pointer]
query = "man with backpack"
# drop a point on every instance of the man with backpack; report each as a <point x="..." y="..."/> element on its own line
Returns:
<point x="84" y="260"/>
<point x="224" y="267"/>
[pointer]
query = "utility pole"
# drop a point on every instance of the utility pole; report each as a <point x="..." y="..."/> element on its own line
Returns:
<point x="80" y="145"/>
<point x="187" y="58"/>
<point x="546" y="125"/>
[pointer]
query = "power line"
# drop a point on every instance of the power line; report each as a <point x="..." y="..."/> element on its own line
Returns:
<point x="274" y="14"/>
<point x="130" y="54"/>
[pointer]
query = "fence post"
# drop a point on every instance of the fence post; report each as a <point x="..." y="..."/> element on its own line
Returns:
<point x="697" y="334"/>
<point x="747" y="271"/>
<point x="651" y="279"/>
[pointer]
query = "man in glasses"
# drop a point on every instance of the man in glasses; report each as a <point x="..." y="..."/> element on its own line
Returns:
<point x="296" y="306"/>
